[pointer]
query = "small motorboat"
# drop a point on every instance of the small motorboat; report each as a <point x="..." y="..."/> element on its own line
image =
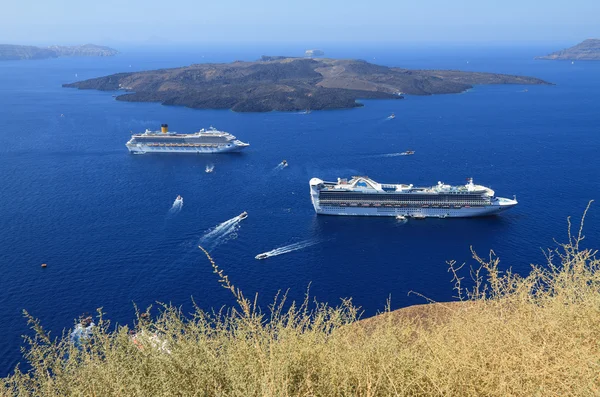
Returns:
<point x="243" y="215"/>
<point x="179" y="199"/>
<point x="400" y="217"/>
<point x="418" y="216"/>
<point x="392" y="116"/>
<point x="261" y="256"/>
<point x="408" y="153"/>
<point x="209" y="168"/>
<point x="284" y="163"/>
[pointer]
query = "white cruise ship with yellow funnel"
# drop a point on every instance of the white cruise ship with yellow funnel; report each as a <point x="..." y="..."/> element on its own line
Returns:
<point x="363" y="196"/>
<point x="203" y="141"/>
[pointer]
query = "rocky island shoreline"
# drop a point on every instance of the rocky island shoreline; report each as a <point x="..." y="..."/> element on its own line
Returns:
<point x="288" y="84"/>
<point x="587" y="50"/>
<point x="10" y="52"/>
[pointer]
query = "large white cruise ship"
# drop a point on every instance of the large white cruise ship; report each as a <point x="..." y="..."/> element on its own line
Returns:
<point x="203" y="141"/>
<point x="363" y="196"/>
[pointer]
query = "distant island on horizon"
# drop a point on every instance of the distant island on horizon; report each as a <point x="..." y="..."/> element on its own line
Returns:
<point x="277" y="83"/>
<point x="11" y="52"/>
<point x="587" y="50"/>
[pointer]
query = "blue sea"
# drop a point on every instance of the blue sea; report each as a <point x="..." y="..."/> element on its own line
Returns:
<point x="102" y="219"/>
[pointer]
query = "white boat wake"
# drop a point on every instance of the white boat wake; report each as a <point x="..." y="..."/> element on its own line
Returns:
<point x="281" y="166"/>
<point x="221" y="233"/>
<point x="387" y="155"/>
<point x="176" y="207"/>
<point x="210" y="168"/>
<point x="287" y="248"/>
<point x="391" y="154"/>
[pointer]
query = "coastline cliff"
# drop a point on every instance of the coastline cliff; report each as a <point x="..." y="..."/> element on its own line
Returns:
<point x="10" y="52"/>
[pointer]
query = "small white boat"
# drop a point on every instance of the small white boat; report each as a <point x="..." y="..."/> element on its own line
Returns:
<point x="243" y="215"/>
<point x="400" y="217"/>
<point x="209" y="168"/>
<point x="261" y="256"/>
<point x="392" y="116"/>
<point x="418" y="216"/>
<point x="179" y="199"/>
<point x="138" y="152"/>
<point x="284" y="163"/>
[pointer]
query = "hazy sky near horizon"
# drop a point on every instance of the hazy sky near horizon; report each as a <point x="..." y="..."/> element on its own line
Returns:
<point x="309" y="21"/>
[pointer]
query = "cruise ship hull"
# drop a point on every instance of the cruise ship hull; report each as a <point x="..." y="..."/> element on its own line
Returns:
<point x="201" y="142"/>
<point x="412" y="212"/>
<point x="361" y="196"/>
<point x="138" y="148"/>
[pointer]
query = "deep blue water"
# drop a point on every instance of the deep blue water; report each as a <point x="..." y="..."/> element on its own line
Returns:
<point x="71" y="196"/>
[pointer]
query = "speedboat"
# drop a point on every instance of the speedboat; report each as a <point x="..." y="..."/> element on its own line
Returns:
<point x="284" y="163"/>
<point x="243" y="215"/>
<point x="401" y="217"/>
<point x="418" y="216"/>
<point x="408" y="153"/>
<point x="179" y="199"/>
<point x="392" y="116"/>
<point x="209" y="168"/>
<point x="261" y="256"/>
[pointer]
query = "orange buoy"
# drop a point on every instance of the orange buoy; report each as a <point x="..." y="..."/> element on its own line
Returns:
<point x="44" y="265"/>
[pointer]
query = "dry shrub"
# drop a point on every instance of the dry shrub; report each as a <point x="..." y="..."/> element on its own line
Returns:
<point x="507" y="335"/>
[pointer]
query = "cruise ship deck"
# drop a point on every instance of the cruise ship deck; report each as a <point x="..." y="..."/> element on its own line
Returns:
<point x="364" y="196"/>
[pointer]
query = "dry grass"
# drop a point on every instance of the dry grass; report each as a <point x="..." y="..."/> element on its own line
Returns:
<point x="537" y="335"/>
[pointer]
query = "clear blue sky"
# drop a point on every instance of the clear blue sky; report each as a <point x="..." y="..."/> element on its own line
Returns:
<point x="218" y="21"/>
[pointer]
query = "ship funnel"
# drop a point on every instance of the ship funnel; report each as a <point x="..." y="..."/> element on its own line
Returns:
<point x="164" y="128"/>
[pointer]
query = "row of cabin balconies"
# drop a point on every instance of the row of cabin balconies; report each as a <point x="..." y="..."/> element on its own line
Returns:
<point x="362" y="203"/>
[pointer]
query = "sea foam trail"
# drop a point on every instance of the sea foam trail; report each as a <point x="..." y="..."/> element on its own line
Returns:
<point x="220" y="234"/>
<point x="176" y="207"/>
<point x="280" y="166"/>
<point x="388" y="155"/>
<point x="289" y="248"/>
